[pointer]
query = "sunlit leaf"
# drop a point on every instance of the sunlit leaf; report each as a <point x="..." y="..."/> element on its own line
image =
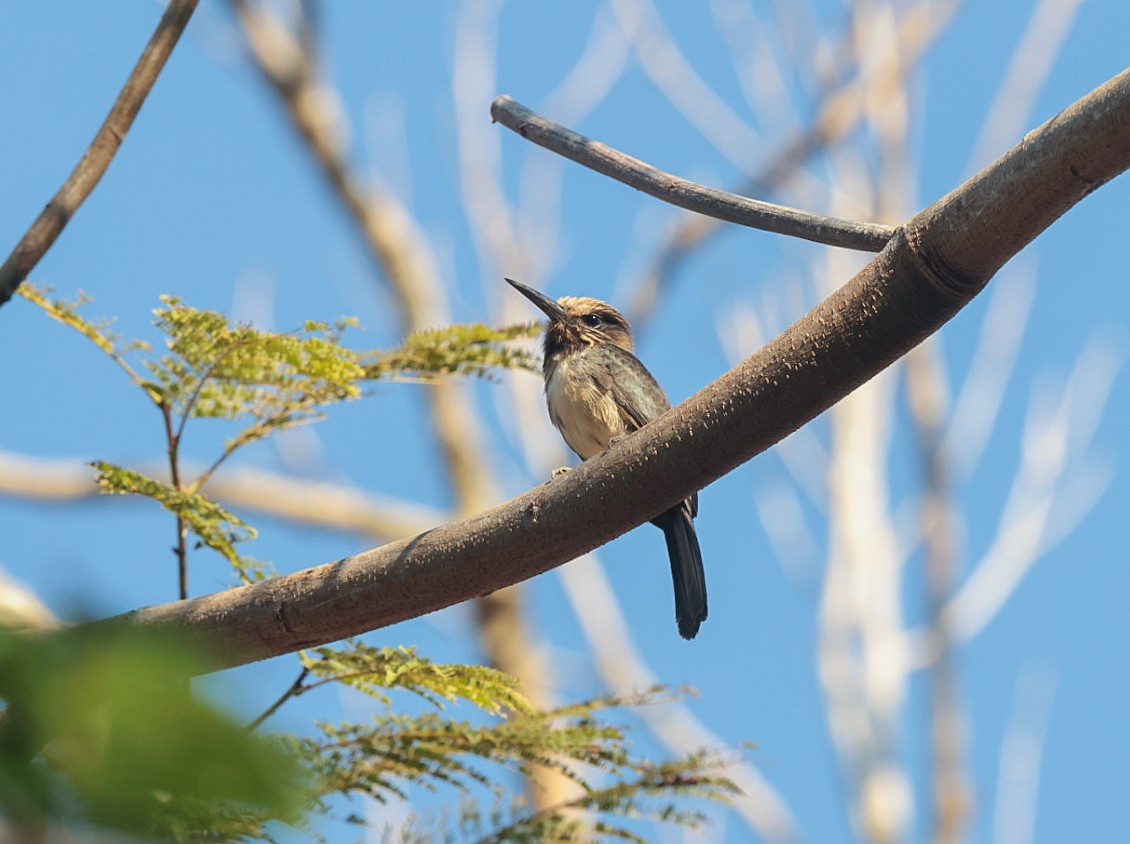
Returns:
<point x="472" y="350"/>
<point x="377" y="670"/>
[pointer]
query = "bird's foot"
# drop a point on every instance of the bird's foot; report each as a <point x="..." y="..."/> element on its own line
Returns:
<point x="561" y="470"/>
<point x="611" y="442"/>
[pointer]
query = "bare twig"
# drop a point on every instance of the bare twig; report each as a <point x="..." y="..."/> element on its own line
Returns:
<point x="730" y="207"/>
<point x="861" y="665"/>
<point x="862" y="658"/>
<point x="665" y="64"/>
<point x="83" y="179"/>
<point x="979" y="398"/>
<point x="1042" y="505"/>
<point x="172" y="445"/>
<point x="323" y="504"/>
<point x="391" y="235"/>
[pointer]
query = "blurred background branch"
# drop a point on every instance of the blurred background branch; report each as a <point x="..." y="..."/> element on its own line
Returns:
<point x="404" y="258"/>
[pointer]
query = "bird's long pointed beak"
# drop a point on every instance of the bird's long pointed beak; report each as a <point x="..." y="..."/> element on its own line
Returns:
<point x="553" y="310"/>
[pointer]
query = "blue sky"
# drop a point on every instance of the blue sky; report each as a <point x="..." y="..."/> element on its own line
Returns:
<point x="213" y="198"/>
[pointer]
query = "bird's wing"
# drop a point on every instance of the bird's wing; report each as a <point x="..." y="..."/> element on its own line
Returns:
<point x="637" y="394"/>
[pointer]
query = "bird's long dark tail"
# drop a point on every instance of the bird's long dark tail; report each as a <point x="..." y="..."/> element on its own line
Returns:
<point x="686" y="569"/>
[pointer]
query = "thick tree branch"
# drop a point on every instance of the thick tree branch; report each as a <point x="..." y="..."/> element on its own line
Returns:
<point x="933" y="266"/>
<point x="83" y="179"/>
<point x="729" y="207"/>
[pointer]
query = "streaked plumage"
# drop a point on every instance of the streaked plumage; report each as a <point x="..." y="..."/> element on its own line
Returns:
<point x="596" y="390"/>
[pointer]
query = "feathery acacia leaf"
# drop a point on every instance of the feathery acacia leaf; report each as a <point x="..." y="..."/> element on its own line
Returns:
<point x="645" y="793"/>
<point x="212" y="524"/>
<point x="470" y="349"/>
<point x="99" y="333"/>
<point x="375" y="670"/>
<point x="220" y="370"/>
<point x="378" y="759"/>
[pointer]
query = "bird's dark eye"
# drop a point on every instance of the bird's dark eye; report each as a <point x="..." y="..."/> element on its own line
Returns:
<point x="591" y="320"/>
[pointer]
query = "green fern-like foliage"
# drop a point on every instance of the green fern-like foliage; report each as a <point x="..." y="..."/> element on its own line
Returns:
<point x="471" y="350"/>
<point x="219" y="370"/>
<point x="376" y="671"/>
<point x="214" y="526"/>
<point x="647" y="793"/>
<point x="395" y="754"/>
<point x="384" y="758"/>
<point x="262" y="380"/>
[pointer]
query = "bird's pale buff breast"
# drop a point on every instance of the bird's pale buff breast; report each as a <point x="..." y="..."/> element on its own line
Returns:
<point x="585" y="414"/>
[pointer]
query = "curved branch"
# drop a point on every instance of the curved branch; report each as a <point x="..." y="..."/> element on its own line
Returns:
<point x="935" y="264"/>
<point x="83" y="179"/>
<point x="720" y="204"/>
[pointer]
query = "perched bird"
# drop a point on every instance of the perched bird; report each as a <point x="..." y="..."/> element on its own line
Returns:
<point x="597" y="391"/>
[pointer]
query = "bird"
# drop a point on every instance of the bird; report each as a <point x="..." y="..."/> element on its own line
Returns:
<point x="597" y="391"/>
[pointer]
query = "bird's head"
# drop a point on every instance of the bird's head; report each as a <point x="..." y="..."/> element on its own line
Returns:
<point x="578" y="321"/>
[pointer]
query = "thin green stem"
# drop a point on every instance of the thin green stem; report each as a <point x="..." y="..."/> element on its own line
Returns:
<point x="172" y="441"/>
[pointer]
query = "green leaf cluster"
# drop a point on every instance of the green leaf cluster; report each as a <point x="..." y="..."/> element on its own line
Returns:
<point x="394" y="752"/>
<point x="375" y="671"/>
<point x="470" y="349"/>
<point x="100" y="729"/>
<point x="599" y="814"/>
<point x="213" y="525"/>
<point x="216" y="369"/>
